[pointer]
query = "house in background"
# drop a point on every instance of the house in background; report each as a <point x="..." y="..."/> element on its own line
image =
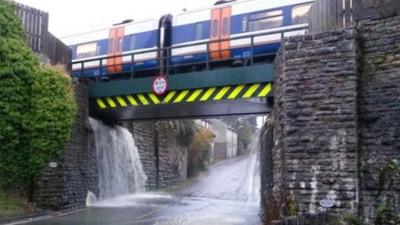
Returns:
<point x="225" y="142"/>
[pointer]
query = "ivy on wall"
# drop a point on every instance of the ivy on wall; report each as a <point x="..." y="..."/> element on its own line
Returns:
<point x="37" y="107"/>
<point x="53" y="110"/>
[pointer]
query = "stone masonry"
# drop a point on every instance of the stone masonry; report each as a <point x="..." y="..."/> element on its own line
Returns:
<point x="337" y="116"/>
<point x="66" y="186"/>
<point x="316" y="117"/>
<point x="163" y="156"/>
<point x="308" y="219"/>
<point x="379" y="107"/>
<point x="173" y="154"/>
<point x="143" y="133"/>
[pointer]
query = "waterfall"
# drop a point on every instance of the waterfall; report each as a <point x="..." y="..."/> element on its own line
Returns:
<point x="118" y="161"/>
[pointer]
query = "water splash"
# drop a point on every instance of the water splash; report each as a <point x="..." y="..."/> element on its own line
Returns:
<point x="135" y="200"/>
<point x="118" y="161"/>
<point x="90" y="199"/>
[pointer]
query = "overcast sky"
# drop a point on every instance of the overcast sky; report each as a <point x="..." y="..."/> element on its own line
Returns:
<point x="76" y="16"/>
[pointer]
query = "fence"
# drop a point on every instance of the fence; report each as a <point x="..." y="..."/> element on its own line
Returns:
<point x="35" y="23"/>
<point x="326" y="15"/>
<point x="39" y="39"/>
<point x="56" y="51"/>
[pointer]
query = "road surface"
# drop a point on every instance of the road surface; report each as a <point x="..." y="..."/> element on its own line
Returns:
<point x="227" y="195"/>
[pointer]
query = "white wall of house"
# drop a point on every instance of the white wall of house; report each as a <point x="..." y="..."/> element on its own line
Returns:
<point x="225" y="142"/>
<point x="231" y="143"/>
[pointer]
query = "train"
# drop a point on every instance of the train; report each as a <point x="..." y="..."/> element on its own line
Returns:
<point x="229" y="30"/>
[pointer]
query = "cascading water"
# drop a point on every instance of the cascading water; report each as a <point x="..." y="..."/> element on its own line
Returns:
<point x="118" y="161"/>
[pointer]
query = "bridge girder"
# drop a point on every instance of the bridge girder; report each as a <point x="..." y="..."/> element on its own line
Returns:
<point x="185" y="110"/>
<point x="223" y="92"/>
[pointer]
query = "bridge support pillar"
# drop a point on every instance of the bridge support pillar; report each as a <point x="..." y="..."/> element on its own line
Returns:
<point x="316" y="141"/>
<point x="336" y="117"/>
<point x="66" y="180"/>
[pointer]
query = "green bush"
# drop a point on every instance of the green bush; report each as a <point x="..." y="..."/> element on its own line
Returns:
<point x="10" y="25"/>
<point x="199" y="151"/>
<point x="17" y="66"/>
<point x="52" y="115"/>
<point x="351" y="219"/>
<point x="36" y="107"/>
<point x="387" y="211"/>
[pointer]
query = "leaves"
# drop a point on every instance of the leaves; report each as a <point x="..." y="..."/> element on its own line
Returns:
<point x="389" y="175"/>
<point x="387" y="211"/>
<point x="52" y="114"/>
<point x="199" y="151"/>
<point x="37" y="107"/>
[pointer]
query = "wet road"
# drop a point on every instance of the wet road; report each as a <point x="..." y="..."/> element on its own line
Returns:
<point x="227" y="195"/>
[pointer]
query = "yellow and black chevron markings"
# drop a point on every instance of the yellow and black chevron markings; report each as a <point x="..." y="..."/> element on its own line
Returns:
<point x="188" y="96"/>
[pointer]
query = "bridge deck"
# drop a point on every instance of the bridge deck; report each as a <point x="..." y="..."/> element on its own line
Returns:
<point x="229" y="91"/>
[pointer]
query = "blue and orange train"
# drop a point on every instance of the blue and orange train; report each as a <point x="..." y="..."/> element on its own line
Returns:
<point x="216" y="33"/>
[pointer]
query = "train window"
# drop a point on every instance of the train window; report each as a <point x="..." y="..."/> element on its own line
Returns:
<point x="199" y="31"/>
<point x="215" y="28"/>
<point x="87" y="50"/>
<point x="133" y="42"/>
<point x="300" y="13"/>
<point x="263" y="15"/>
<point x="267" y="23"/>
<point x="225" y="26"/>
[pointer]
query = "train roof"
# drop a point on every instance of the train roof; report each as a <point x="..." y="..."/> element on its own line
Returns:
<point x="271" y="4"/>
<point x="91" y="35"/>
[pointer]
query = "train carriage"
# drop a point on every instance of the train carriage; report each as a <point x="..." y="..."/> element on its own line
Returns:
<point x="110" y="51"/>
<point x="228" y="27"/>
<point x="229" y="31"/>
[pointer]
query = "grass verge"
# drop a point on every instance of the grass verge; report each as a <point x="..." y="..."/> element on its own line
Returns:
<point x="10" y="205"/>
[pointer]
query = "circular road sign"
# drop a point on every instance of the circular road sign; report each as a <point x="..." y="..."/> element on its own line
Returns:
<point x="160" y="85"/>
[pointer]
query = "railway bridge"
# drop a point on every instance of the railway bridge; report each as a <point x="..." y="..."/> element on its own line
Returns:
<point x="336" y="124"/>
<point x="212" y="87"/>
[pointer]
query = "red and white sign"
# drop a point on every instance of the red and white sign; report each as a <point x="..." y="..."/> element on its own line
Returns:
<point x="160" y="85"/>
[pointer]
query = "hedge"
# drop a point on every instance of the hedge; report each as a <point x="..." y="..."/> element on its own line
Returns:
<point x="37" y="107"/>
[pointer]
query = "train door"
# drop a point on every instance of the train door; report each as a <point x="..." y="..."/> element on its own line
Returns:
<point x="115" y="42"/>
<point x="220" y="33"/>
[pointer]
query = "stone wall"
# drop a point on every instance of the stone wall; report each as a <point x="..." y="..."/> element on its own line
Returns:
<point x="379" y="107"/>
<point x="375" y="8"/>
<point x="163" y="156"/>
<point x="337" y="116"/>
<point x="308" y="219"/>
<point x="172" y="154"/>
<point x="143" y="133"/>
<point x="66" y="186"/>
<point x="267" y="144"/>
<point x="316" y="120"/>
